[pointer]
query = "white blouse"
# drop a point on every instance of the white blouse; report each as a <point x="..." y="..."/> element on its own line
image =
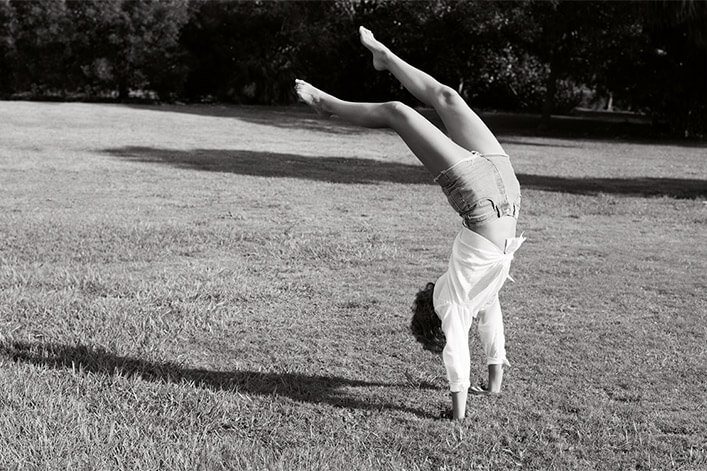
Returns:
<point x="477" y="271"/>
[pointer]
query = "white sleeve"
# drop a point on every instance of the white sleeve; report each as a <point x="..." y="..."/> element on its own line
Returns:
<point x="491" y="333"/>
<point x="456" y="351"/>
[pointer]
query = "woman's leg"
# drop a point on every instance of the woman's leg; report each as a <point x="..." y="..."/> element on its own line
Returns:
<point x="430" y="145"/>
<point x="463" y="125"/>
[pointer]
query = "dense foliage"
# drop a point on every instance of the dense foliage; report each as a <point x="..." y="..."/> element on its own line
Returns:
<point x="538" y="56"/>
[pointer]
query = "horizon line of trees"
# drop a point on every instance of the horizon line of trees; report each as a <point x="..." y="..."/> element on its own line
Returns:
<point x="535" y="56"/>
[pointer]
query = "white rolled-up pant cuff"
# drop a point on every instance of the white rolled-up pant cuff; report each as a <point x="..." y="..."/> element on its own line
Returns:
<point x="459" y="387"/>
<point x="497" y="361"/>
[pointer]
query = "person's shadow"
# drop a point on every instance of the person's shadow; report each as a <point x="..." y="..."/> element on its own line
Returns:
<point x="298" y="387"/>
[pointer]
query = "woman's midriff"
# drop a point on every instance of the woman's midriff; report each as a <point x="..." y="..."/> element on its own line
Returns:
<point x="497" y="230"/>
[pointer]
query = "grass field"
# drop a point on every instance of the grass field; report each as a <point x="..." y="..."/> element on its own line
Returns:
<point x="230" y="288"/>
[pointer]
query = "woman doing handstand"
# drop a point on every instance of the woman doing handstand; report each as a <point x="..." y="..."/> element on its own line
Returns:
<point x="477" y="177"/>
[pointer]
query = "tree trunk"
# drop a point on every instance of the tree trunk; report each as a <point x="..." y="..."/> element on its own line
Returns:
<point x="549" y="101"/>
<point x="123" y="89"/>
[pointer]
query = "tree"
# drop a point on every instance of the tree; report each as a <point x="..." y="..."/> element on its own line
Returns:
<point x="94" y="45"/>
<point x="143" y="42"/>
<point x="230" y="48"/>
<point x="675" y="62"/>
<point x="7" y="27"/>
<point x="41" y="45"/>
<point x="574" y="42"/>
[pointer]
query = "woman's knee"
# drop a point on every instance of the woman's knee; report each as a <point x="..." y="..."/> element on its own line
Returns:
<point x="447" y="96"/>
<point x="396" y="110"/>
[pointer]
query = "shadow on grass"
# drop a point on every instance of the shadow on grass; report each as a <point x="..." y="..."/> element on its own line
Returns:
<point x="537" y="144"/>
<point x="682" y="188"/>
<point x="298" y="387"/>
<point x="273" y="164"/>
<point x="364" y="171"/>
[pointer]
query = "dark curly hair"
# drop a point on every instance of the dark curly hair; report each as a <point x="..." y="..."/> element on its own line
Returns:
<point x="425" y="325"/>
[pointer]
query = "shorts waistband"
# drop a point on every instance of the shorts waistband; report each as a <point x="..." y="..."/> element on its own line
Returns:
<point x="473" y="156"/>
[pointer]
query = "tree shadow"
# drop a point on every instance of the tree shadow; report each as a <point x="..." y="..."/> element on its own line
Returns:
<point x="351" y="170"/>
<point x="273" y="164"/>
<point x="537" y="144"/>
<point x="680" y="188"/>
<point x="298" y="387"/>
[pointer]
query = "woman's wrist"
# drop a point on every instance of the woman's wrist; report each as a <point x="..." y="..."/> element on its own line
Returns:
<point x="459" y="405"/>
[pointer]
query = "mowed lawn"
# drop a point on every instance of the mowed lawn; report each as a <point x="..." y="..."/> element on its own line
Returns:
<point x="207" y="287"/>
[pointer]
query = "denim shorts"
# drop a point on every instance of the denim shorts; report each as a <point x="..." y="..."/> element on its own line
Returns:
<point x="481" y="187"/>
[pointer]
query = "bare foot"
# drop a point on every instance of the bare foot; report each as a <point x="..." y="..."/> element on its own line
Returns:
<point x="379" y="51"/>
<point x="311" y="95"/>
